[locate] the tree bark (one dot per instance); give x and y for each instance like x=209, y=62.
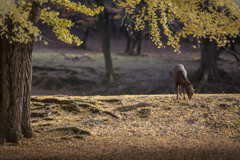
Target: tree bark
x=15, y=84
x=105, y=34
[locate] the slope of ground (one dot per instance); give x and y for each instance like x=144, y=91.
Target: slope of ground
x=159, y=127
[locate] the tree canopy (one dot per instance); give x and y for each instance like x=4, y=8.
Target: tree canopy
x=18, y=12
x=213, y=19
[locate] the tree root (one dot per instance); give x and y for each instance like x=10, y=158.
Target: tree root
x=38, y=108
x=48, y=119
x=96, y=110
x=51, y=100
x=111, y=114
x=37, y=114
x=73, y=129
x=110, y=100
x=91, y=107
x=71, y=107
x=58, y=101
x=44, y=125
x=48, y=107
x=131, y=107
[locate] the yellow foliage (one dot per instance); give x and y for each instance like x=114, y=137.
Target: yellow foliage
x=215, y=20
x=23, y=28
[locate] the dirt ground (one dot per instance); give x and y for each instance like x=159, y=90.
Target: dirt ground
x=149, y=74
x=110, y=128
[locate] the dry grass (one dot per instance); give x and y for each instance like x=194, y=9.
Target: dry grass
x=207, y=127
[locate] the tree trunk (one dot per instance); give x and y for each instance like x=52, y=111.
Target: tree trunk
x=208, y=70
x=105, y=34
x=15, y=84
x=86, y=33
x=132, y=41
x=139, y=42
x=129, y=41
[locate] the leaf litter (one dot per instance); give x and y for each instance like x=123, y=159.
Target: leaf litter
x=206, y=127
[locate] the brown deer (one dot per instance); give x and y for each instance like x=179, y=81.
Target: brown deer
x=181, y=80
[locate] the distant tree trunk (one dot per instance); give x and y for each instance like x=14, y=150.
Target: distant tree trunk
x=139, y=42
x=86, y=33
x=105, y=34
x=208, y=70
x=15, y=84
x=132, y=41
x=129, y=42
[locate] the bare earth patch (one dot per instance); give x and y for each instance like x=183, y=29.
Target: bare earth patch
x=207, y=127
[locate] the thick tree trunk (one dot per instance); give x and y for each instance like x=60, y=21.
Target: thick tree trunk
x=208, y=70
x=15, y=84
x=105, y=34
x=134, y=43
x=15, y=88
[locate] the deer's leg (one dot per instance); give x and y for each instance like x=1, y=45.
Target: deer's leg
x=180, y=90
x=178, y=87
x=183, y=93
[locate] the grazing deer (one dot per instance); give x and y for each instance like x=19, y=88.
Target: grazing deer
x=181, y=80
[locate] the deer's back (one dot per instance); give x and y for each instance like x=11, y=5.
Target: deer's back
x=178, y=70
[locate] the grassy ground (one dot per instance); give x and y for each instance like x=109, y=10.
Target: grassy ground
x=206, y=127
x=76, y=74
x=81, y=74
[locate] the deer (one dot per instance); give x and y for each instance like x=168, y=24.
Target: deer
x=181, y=81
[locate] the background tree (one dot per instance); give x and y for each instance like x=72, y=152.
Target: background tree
x=208, y=70
x=134, y=42
x=105, y=34
x=209, y=21
x=18, y=32
x=104, y=27
x=103, y=24
x=134, y=37
x=82, y=22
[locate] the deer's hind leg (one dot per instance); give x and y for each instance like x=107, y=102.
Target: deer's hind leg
x=183, y=91
x=178, y=90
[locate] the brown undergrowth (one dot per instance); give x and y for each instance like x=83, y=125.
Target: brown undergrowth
x=131, y=127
